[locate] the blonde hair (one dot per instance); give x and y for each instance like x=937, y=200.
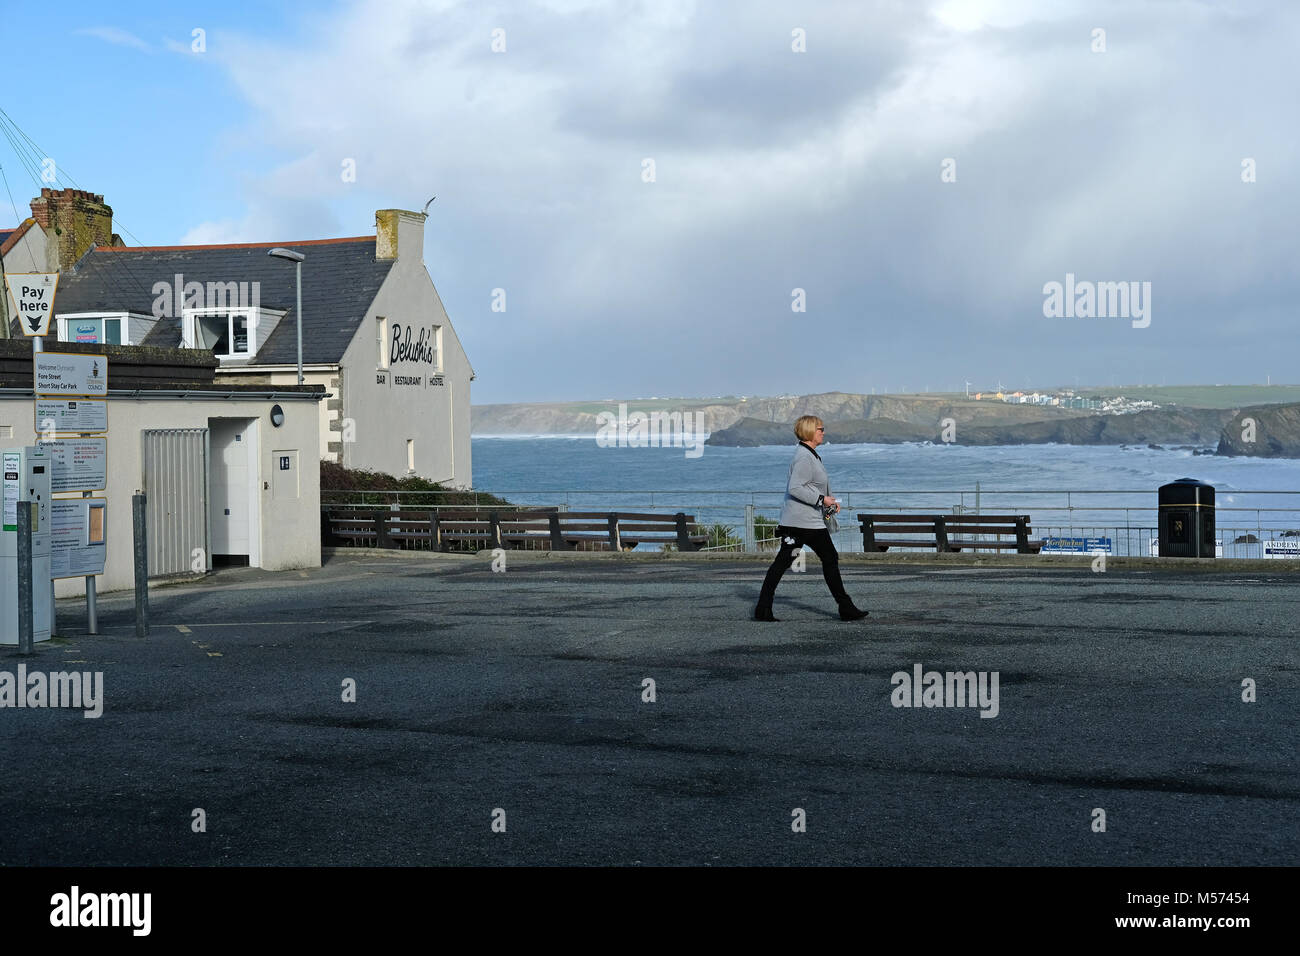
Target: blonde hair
x=806, y=427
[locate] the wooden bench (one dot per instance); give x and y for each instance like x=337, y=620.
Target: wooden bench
x=938, y=528
x=544, y=529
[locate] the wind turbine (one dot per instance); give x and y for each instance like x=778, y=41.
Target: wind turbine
x=968, y=389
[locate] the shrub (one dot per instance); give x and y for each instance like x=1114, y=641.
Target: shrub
x=339, y=485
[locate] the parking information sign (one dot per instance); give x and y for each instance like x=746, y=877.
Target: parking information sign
x=70, y=374
x=78, y=464
x=10, y=463
x=77, y=545
x=71, y=416
x=33, y=300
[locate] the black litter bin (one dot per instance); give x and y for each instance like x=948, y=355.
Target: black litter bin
x=1186, y=518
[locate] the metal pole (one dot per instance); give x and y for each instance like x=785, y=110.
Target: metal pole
x=38, y=345
x=141, y=566
x=750, y=544
x=92, y=612
x=26, y=610
x=299, y=317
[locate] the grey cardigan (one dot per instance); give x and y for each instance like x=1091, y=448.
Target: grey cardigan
x=807, y=485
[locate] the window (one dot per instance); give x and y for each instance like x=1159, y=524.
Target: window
x=101, y=328
x=229, y=334
x=239, y=335
x=381, y=337
x=212, y=332
x=410, y=454
x=437, y=348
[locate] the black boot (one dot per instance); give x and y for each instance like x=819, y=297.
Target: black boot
x=851, y=612
x=762, y=613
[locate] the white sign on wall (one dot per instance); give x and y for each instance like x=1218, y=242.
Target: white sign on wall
x=71, y=416
x=78, y=542
x=1282, y=549
x=32, y=295
x=78, y=464
x=71, y=373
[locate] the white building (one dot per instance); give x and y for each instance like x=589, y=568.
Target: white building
x=375, y=334
x=229, y=471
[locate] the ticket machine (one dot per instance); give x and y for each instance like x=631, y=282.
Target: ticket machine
x=25, y=473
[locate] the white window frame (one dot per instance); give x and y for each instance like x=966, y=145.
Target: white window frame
x=381, y=339
x=123, y=318
x=258, y=318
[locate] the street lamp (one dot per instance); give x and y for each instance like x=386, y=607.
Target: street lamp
x=281, y=253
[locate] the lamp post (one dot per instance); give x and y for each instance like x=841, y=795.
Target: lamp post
x=281, y=253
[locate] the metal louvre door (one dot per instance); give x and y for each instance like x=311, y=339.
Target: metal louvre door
x=176, y=483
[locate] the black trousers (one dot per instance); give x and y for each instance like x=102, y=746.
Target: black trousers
x=819, y=539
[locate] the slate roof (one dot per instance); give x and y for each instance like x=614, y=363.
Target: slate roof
x=340, y=278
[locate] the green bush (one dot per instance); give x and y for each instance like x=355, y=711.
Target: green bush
x=719, y=535
x=339, y=485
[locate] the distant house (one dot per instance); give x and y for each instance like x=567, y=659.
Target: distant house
x=374, y=333
x=22, y=248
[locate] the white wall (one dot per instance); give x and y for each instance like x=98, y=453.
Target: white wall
x=289, y=528
x=386, y=415
x=29, y=255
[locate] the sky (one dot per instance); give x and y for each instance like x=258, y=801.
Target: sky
x=723, y=198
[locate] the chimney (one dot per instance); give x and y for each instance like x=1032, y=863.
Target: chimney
x=399, y=229
x=73, y=220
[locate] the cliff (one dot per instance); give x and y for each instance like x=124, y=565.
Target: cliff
x=1263, y=431
x=1182, y=426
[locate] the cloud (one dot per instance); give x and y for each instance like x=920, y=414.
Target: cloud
x=116, y=36
x=776, y=169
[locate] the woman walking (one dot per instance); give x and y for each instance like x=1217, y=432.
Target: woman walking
x=807, y=508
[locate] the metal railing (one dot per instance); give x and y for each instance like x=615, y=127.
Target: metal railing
x=1126, y=517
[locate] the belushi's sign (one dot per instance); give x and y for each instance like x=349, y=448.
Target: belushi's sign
x=412, y=352
x=407, y=346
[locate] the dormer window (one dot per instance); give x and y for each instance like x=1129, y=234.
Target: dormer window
x=104, y=328
x=230, y=334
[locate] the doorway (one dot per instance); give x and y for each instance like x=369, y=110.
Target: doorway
x=234, y=502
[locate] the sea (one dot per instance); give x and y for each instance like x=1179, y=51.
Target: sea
x=1068, y=490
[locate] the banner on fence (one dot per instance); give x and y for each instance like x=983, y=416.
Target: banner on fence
x=1282, y=549
x=1057, y=545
